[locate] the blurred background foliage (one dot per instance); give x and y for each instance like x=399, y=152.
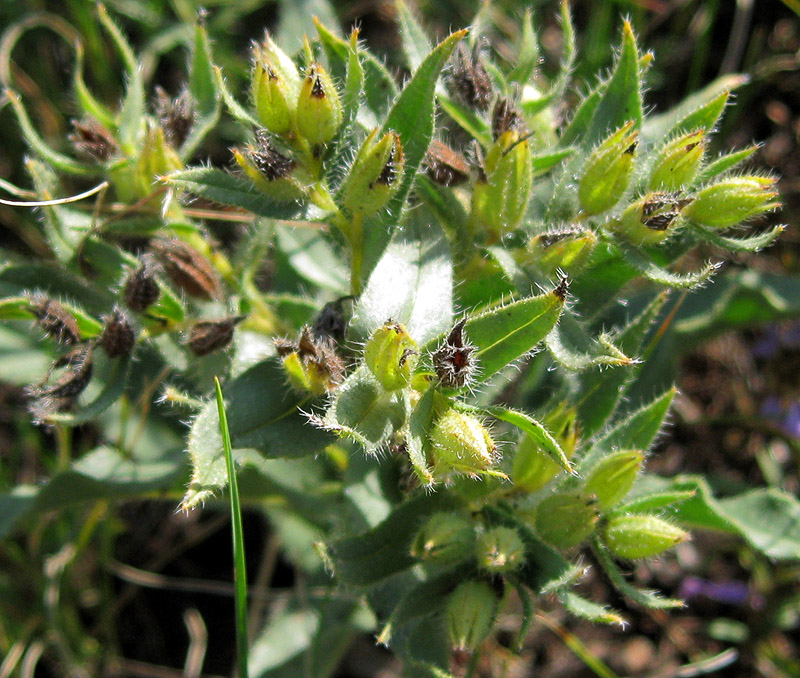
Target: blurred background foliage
x=734, y=351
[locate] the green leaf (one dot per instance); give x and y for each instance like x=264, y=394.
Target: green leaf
x=385, y=549
x=412, y=118
x=414, y=40
x=228, y=189
x=238, y=111
x=417, y=436
x=311, y=255
x=621, y=101
x=287, y=634
x=527, y=53
x=582, y=118
x=412, y=284
x=601, y=391
x=503, y=334
x=572, y=347
x=536, y=431
x=586, y=609
x=722, y=164
x=104, y=473
x=472, y=123
x=203, y=88
x=543, y=163
x=644, y=597
x=131, y=115
x=447, y=208
x=752, y=243
x=88, y=103
x=635, y=432
x=652, y=271
x=263, y=414
x=364, y=412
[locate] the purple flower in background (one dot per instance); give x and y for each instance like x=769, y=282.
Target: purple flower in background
x=729, y=592
x=786, y=418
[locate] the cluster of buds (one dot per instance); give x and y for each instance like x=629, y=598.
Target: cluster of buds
x=290, y=105
x=312, y=365
x=273, y=170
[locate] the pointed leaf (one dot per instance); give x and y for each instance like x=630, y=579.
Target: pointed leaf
x=572, y=347
x=652, y=271
x=586, y=609
x=752, y=243
x=414, y=40
x=722, y=164
x=527, y=52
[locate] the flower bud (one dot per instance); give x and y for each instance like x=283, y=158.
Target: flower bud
x=275, y=86
x=376, y=173
x=471, y=611
x=468, y=79
x=118, y=336
x=312, y=365
x=141, y=289
x=607, y=171
x=391, y=355
x=500, y=549
x=176, y=116
x=499, y=202
x=613, y=477
x=678, y=162
x=567, y=518
x=533, y=468
x=319, y=111
x=445, y=166
x=650, y=220
x=731, y=201
x=453, y=361
x=157, y=158
x=93, y=141
x=55, y=319
x=445, y=538
x=208, y=336
x=460, y=443
x=274, y=173
x=189, y=270
x=567, y=252
x=641, y=536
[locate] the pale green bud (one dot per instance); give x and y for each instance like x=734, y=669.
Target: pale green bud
x=460, y=443
x=500, y=197
x=500, y=549
x=319, y=110
x=650, y=220
x=608, y=171
x=445, y=538
x=533, y=468
x=391, y=355
x=641, y=536
x=273, y=99
x=157, y=158
x=678, y=162
x=376, y=173
x=568, y=252
x=470, y=615
x=567, y=518
x=613, y=477
x=731, y=201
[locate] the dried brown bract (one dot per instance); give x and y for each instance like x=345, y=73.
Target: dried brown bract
x=175, y=115
x=54, y=318
x=445, y=166
x=453, y=360
x=468, y=79
x=92, y=141
x=141, y=289
x=118, y=336
x=208, y=336
x=331, y=321
x=269, y=160
x=505, y=118
x=187, y=268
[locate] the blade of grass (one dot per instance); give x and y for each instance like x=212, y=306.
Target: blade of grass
x=594, y=664
x=239, y=571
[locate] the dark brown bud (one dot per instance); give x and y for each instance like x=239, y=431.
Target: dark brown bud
x=208, y=336
x=331, y=321
x=187, y=268
x=453, y=361
x=469, y=80
x=175, y=115
x=118, y=336
x=269, y=160
x=92, y=141
x=661, y=209
x=505, y=118
x=55, y=319
x=74, y=379
x=445, y=166
x=562, y=288
x=141, y=289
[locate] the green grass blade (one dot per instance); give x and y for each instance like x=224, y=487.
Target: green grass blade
x=239, y=571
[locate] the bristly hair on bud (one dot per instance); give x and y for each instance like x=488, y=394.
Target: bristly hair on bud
x=175, y=115
x=445, y=166
x=93, y=141
x=268, y=159
x=506, y=118
x=187, y=268
x=312, y=364
x=72, y=382
x=54, y=318
x=141, y=289
x=118, y=335
x=208, y=336
x=468, y=79
x=453, y=361
x=562, y=288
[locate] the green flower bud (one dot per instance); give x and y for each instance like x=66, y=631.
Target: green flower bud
x=391, y=355
x=731, y=201
x=460, y=443
x=471, y=611
x=312, y=365
x=677, y=162
x=639, y=536
x=277, y=175
x=157, y=158
x=567, y=252
x=319, y=111
x=500, y=549
x=567, y=518
x=613, y=477
x=650, y=220
x=533, y=468
x=445, y=538
x=273, y=98
x=608, y=171
x=500, y=196
x=376, y=173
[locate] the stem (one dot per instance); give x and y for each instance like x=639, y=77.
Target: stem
x=356, y=238
x=63, y=435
